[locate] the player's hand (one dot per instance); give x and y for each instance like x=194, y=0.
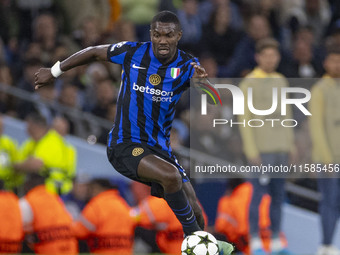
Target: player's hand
x=199, y=71
x=43, y=77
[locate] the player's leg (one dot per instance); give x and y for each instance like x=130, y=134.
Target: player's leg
x=225, y=248
x=152, y=168
x=191, y=195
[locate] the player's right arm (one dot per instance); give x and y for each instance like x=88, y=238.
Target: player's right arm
x=44, y=76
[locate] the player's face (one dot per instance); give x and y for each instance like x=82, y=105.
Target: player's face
x=164, y=38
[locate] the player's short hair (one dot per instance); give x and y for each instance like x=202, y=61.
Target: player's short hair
x=166, y=17
x=265, y=44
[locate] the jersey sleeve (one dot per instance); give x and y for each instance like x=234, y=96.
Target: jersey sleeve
x=191, y=68
x=191, y=71
x=116, y=52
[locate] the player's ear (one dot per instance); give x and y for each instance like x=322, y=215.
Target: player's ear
x=180, y=33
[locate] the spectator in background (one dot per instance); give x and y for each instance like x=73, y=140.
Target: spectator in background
x=243, y=59
x=334, y=7
x=233, y=215
x=266, y=145
x=48, y=154
x=69, y=97
x=156, y=214
x=314, y=13
x=8, y=21
x=61, y=125
x=2, y=51
x=11, y=230
x=219, y=38
x=46, y=220
x=169, y=5
x=45, y=33
x=44, y=102
x=94, y=73
x=105, y=94
x=7, y=102
x=207, y=7
x=206, y=141
x=305, y=56
x=270, y=9
x=8, y=156
x=324, y=128
x=106, y=222
x=191, y=26
x=209, y=62
x=140, y=13
x=27, y=83
x=110, y=116
x=125, y=31
x=27, y=11
x=90, y=8
x=31, y=65
x=89, y=33
x=76, y=200
x=304, y=64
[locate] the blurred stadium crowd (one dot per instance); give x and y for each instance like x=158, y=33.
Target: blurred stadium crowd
x=221, y=33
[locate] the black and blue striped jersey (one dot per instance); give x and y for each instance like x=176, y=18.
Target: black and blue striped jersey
x=148, y=94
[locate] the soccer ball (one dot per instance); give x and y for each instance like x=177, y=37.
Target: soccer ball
x=200, y=243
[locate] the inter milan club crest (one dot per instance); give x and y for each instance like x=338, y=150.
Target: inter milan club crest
x=175, y=72
x=137, y=151
x=155, y=79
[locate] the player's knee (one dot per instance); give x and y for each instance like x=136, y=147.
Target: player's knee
x=172, y=180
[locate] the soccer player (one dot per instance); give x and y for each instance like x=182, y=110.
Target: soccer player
x=154, y=75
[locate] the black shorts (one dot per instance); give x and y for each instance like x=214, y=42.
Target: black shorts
x=125, y=158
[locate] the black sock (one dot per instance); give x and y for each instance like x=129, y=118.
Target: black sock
x=181, y=207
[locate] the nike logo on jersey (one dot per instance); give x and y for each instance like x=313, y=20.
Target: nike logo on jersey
x=137, y=67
